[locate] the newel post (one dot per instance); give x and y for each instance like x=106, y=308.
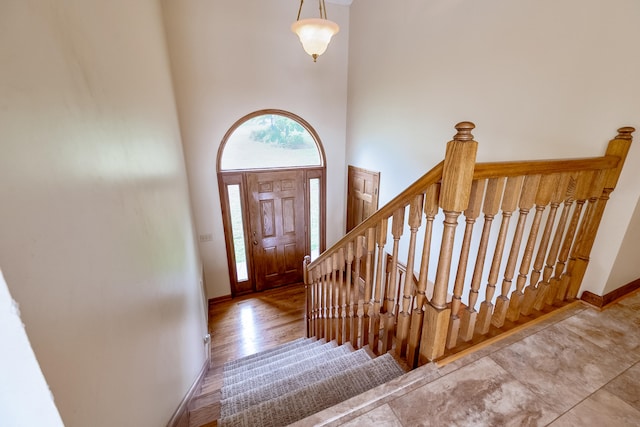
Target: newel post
x=618, y=147
x=307, y=294
x=455, y=190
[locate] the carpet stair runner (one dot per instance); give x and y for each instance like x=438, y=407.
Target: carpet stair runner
x=290, y=382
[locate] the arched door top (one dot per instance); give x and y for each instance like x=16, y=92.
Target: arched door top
x=268, y=139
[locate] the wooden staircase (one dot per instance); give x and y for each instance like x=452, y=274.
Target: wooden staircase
x=485, y=279
x=290, y=382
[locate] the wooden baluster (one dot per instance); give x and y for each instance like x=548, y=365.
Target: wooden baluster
x=385, y=283
x=417, y=315
x=329, y=305
x=317, y=289
x=397, y=227
x=398, y=297
x=341, y=296
x=471, y=214
x=358, y=307
x=535, y=287
x=381, y=240
x=495, y=188
x=525, y=204
x=308, y=300
x=414, y=221
x=547, y=185
x=509, y=203
x=322, y=312
x=619, y=147
x=329, y=310
x=560, y=281
x=583, y=235
x=457, y=177
x=368, y=284
x=348, y=284
x=547, y=292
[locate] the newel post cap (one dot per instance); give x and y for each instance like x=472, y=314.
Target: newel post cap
x=625, y=132
x=464, y=131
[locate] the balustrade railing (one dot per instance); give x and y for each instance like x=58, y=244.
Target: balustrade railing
x=404, y=281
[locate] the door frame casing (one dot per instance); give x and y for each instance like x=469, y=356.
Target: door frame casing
x=226, y=178
x=238, y=176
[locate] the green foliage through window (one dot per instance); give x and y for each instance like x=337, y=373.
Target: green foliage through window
x=280, y=130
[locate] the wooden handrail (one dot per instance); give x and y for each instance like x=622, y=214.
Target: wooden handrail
x=540, y=167
x=401, y=200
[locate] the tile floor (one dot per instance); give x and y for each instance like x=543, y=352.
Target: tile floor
x=579, y=368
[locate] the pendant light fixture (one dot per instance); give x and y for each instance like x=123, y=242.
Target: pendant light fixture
x=315, y=33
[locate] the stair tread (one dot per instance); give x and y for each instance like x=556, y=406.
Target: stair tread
x=273, y=374
x=298, y=404
x=270, y=356
x=288, y=384
x=233, y=364
x=286, y=359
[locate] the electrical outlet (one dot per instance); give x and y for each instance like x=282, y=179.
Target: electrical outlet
x=205, y=237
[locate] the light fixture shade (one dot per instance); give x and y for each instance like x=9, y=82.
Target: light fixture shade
x=315, y=34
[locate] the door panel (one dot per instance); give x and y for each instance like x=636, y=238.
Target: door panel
x=276, y=219
x=362, y=195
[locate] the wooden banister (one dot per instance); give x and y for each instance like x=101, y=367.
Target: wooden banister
x=359, y=293
x=401, y=200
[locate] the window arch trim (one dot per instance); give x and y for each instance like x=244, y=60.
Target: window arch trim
x=287, y=114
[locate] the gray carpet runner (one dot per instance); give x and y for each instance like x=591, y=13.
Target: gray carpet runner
x=300, y=342
x=295, y=380
x=258, y=366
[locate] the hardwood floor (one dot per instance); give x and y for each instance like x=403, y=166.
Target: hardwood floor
x=240, y=327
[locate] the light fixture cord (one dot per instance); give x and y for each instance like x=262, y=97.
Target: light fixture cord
x=299, y=10
x=323, y=9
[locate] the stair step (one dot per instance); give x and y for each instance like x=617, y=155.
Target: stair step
x=297, y=381
x=283, y=371
x=232, y=364
x=286, y=359
x=270, y=356
x=298, y=404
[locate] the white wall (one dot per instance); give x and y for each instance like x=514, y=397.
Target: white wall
x=25, y=398
x=96, y=233
x=625, y=269
x=541, y=79
x=231, y=58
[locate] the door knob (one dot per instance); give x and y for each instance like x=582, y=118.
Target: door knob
x=255, y=242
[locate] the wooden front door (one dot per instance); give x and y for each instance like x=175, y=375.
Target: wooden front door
x=276, y=226
x=362, y=195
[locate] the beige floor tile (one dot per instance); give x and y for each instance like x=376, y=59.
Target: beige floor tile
x=632, y=301
x=608, y=329
x=560, y=367
x=600, y=409
x=480, y=394
x=381, y=416
x=627, y=386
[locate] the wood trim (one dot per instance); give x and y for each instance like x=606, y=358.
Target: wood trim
x=216, y=300
x=294, y=117
x=500, y=169
x=401, y=200
x=601, y=301
x=180, y=417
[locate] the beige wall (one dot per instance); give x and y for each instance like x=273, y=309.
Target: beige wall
x=231, y=58
x=539, y=79
x=625, y=268
x=96, y=236
x=25, y=398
